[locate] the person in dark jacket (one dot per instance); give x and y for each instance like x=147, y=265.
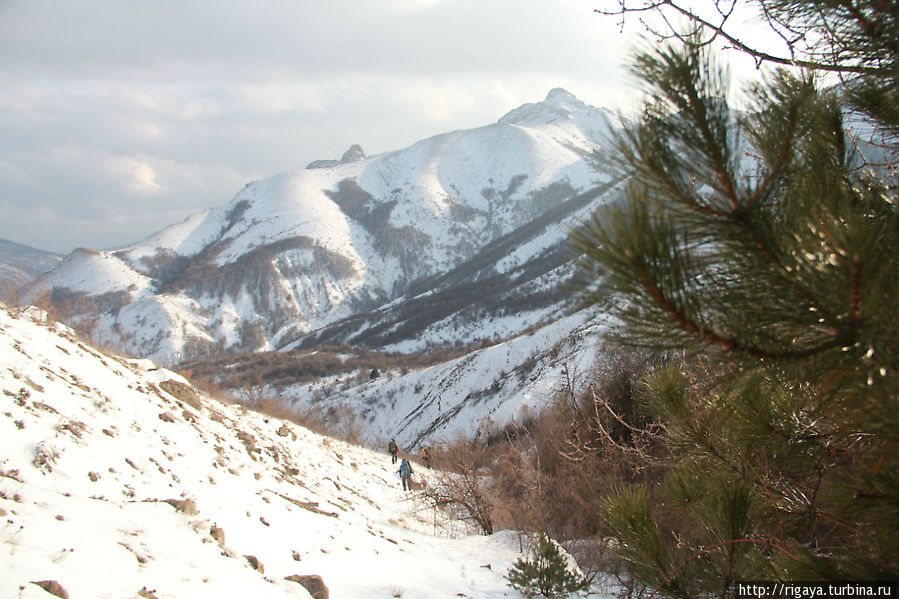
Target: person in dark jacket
x=392, y=450
x=406, y=474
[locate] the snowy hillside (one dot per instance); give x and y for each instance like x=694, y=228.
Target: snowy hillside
x=484, y=389
x=118, y=480
x=303, y=255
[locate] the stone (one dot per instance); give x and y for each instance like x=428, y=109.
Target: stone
x=312, y=583
x=218, y=534
x=255, y=563
x=187, y=506
x=53, y=587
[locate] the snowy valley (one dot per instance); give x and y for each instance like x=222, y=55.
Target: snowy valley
x=119, y=479
x=458, y=243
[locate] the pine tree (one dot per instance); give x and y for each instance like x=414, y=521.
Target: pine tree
x=545, y=573
x=762, y=246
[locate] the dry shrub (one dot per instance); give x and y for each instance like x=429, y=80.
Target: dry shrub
x=278, y=369
x=462, y=486
x=548, y=471
x=337, y=422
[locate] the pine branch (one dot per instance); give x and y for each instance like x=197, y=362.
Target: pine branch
x=718, y=30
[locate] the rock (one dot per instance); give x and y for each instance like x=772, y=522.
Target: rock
x=93, y=476
x=255, y=563
x=284, y=430
x=188, y=506
x=322, y=164
x=249, y=441
x=312, y=583
x=218, y=534
x=353, y=154
x=52, y=587
x=45, y=456
x=147, y=594
x=167, y=417
x=185, y=393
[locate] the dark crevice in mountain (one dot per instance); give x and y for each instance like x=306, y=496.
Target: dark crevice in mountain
x=253, y=269
x=498, y=198
x=166, y=267
x=78, y=307
x=404, y=243
x=234, y=215
x=493, y=252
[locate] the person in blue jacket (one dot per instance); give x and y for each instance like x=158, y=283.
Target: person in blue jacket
x=406, y=474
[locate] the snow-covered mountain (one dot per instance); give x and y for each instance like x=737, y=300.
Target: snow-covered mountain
x=406, y=250
x=21, y=264
x=120, y=479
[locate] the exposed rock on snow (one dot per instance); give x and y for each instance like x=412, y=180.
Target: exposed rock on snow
x=312, y=583
x=351, y=155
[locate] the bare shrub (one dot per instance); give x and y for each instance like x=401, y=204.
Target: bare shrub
x=462, y=486
x=549, y=469
x=279, y=369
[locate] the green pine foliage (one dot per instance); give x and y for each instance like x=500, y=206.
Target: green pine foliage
x=545, y=573
x=760, y=246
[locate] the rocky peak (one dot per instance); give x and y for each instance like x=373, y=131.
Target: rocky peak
x=353, y=154
x=559, y=104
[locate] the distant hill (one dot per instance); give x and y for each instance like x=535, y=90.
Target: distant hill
x=21, y=264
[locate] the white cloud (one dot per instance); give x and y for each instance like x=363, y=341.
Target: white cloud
x=434, y=100
x=105, y=104
x=412, y=5
x=276, y=97
x=132, y=173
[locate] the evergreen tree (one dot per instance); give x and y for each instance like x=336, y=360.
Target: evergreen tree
x=546, y=573
x=761, y=246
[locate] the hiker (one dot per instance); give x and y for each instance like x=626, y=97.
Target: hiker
x=426, y=457
x=392, y=449
x=406, y=474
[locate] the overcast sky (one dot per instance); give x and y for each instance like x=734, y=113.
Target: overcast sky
x=120, y=117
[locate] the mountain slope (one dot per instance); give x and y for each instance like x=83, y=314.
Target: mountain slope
x=480, y=391
x=301, y=251
x=117, y=479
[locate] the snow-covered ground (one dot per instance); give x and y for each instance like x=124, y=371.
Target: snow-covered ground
x=117, y=480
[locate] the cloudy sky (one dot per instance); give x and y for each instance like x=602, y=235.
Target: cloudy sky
x=119, y=117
